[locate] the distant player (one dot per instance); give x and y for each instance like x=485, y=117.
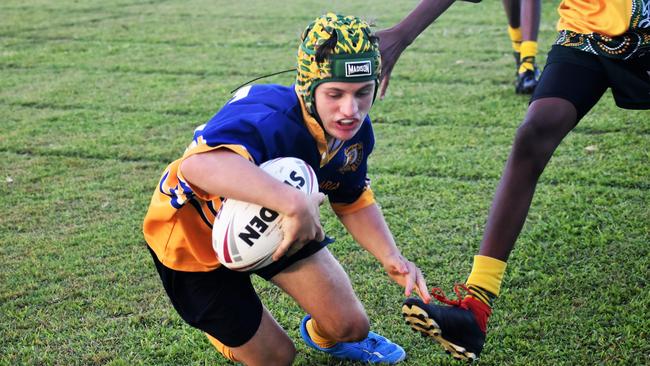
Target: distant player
x=523, y=27
x=601, y=44
x=323, y=120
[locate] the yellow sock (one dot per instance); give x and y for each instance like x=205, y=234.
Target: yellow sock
x=515, y=38
x=315, y=335
x=527, y=56
x=485, y=279
x=222, y=348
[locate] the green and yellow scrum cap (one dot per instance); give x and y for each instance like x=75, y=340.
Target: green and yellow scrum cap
x=353, y=58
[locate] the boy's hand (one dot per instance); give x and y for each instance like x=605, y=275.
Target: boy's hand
x=407, y=275
x=302, y=225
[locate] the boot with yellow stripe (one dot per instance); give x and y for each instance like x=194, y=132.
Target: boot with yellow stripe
x=459, y=326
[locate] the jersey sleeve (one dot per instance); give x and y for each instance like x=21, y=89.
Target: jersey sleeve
x=366, y=199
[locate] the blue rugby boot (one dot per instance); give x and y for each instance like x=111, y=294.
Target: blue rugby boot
x=373, y=349
x=459, y=328
x=527, y=81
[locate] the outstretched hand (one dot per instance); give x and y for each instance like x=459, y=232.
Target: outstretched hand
x=407, y=275
x=391, y=46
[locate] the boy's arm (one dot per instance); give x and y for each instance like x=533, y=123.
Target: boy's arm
x=368, y=228
x=224, y=173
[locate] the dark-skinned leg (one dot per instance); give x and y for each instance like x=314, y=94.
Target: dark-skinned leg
x=566, y=92
x=547, y=122
x=512, y=8
x=461, y=329
x=530, y=17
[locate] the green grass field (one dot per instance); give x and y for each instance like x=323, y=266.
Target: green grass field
x=97, y=97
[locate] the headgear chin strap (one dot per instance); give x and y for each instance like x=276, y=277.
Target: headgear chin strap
x=354, y=57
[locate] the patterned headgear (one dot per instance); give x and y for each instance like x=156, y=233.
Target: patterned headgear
x=354, y=58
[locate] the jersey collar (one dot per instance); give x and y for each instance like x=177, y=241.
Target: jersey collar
x=327, y=145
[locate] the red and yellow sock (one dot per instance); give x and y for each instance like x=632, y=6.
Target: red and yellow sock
x=485, y=279
x=527, y=56
x=222, y=348
x=515, y=38
x=317, y=336
x=484, y=283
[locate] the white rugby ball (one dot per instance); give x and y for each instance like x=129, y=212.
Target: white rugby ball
x=245, y=235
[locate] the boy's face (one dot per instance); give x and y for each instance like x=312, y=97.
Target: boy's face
x=342, y=107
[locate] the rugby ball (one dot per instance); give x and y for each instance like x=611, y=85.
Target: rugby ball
x=245, y=235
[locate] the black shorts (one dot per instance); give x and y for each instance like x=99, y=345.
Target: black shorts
x=222, y=302
x=582, y=78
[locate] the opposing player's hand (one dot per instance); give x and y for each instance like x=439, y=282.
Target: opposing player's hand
x=301, y=225
x=391, y=46
x=407, y=275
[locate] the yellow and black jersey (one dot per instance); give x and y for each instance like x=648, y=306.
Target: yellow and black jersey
x=260, y=123
x=612, y=28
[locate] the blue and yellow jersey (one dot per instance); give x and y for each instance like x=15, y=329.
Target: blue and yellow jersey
x=612, y=28
x=260, y=123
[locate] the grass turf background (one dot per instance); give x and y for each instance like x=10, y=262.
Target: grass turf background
x=97, y=97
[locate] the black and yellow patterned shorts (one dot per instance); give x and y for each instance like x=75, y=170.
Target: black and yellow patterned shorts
x=582, y=78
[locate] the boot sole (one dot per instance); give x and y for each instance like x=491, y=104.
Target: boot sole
x=419, y=321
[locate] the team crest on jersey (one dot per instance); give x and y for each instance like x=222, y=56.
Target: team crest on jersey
x=353, y=157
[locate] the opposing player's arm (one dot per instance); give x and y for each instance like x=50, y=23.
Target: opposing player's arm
x=224, y=173
x=394, y=40
x=368, y=228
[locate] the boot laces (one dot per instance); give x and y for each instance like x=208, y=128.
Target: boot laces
x=439, y=294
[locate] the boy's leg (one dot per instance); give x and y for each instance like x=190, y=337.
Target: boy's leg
x=322, y=288
x=223, y=304
x=269, y=346
x=337, y=322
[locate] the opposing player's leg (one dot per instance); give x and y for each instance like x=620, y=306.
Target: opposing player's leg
x=336, y=322
x=461, y=327
x=547, y=122
x=567, y=91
